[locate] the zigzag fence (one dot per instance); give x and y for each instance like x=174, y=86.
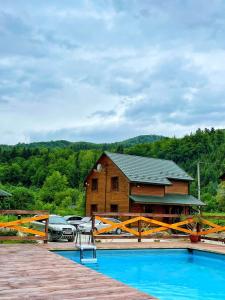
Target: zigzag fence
x=23, y=232
x=148, y=225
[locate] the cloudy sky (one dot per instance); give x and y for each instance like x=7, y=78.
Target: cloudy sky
x=109, y=70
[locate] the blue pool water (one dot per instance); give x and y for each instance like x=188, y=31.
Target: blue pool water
x=166, y=274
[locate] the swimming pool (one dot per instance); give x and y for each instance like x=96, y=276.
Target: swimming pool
x=166, y=274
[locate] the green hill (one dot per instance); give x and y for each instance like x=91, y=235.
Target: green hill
x=49, y=175
x=82, y=145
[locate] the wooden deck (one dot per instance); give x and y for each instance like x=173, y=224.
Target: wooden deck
x=33, y=272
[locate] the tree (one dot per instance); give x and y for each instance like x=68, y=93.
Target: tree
x=220, y=197
x=53, y=184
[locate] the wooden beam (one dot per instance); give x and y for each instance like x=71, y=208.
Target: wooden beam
x=22, y=212
x=21, y=238
x=140, y=215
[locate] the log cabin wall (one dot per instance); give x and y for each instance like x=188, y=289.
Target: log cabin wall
x=177, y=187
x=147, y=190
x=104, y=197
x=140, y=208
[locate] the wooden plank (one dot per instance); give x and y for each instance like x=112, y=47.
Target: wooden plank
x=172, y=226
x=22, y=238
x=140, y=214
x=22, y=212
x=23, y=221
x=121, y=236
x=28, y=230
x=114, y=225
x=213, y=217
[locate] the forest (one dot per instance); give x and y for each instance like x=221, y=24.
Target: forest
x=50, y=175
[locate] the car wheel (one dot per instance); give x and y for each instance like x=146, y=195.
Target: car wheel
x=50, y=238
x=71, y=239
x=118, y=231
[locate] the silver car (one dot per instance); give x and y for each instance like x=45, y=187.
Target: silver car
x=58, y=228
x=73, y=220
x=86, y=227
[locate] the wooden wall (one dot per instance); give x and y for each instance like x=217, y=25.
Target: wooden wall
x=147, y=190
x=140, y=208
x=104, y=193
x=177, y=187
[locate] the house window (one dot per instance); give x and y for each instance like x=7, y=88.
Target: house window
x=114, y=208
x=94, y=184
x=115, y=183
x=94, y=208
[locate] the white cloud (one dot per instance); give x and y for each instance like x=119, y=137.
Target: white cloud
x=108, y=70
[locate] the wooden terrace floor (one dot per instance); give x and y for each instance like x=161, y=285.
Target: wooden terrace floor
x=33, y=272
x=30, y=271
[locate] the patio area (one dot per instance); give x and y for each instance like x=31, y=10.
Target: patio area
x=31, y=271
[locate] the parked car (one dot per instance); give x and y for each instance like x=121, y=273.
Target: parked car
x=58, y=228
x=87, y=226
x=73, y=220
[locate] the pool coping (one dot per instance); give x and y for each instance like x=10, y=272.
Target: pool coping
x=212, y=248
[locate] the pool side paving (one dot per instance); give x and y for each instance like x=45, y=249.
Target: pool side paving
x=30, y=271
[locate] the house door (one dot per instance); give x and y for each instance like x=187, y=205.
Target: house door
x=148, y=209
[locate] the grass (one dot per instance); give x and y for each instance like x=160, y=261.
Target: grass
x=222, y=214
x=216, y=221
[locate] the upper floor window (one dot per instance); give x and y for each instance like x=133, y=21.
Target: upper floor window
x=94, y=184
x=115, y=183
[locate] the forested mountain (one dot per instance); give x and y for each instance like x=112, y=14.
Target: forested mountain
x=50, y=175
x=87, y=145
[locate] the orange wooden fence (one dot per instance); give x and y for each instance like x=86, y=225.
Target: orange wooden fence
x=17, y=225
x=198, y=225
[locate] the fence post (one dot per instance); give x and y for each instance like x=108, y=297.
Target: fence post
x=46, y=232
x=139, y=231
x=93, y=223
x=198, y=229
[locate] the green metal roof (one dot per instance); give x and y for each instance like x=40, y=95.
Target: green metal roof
x=172, y=199
x=148, y=170
x=4, y=194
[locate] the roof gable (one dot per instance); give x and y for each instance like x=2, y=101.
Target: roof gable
x=148, y=170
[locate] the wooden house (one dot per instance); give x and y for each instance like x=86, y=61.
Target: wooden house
x=129, y=183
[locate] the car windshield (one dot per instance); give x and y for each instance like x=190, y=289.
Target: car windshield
x=57, y=220
x=86, y=219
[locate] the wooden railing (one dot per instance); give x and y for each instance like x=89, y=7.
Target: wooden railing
x=17, y=225
x=187, y=224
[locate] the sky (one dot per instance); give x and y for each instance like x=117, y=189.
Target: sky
x=104, y=71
